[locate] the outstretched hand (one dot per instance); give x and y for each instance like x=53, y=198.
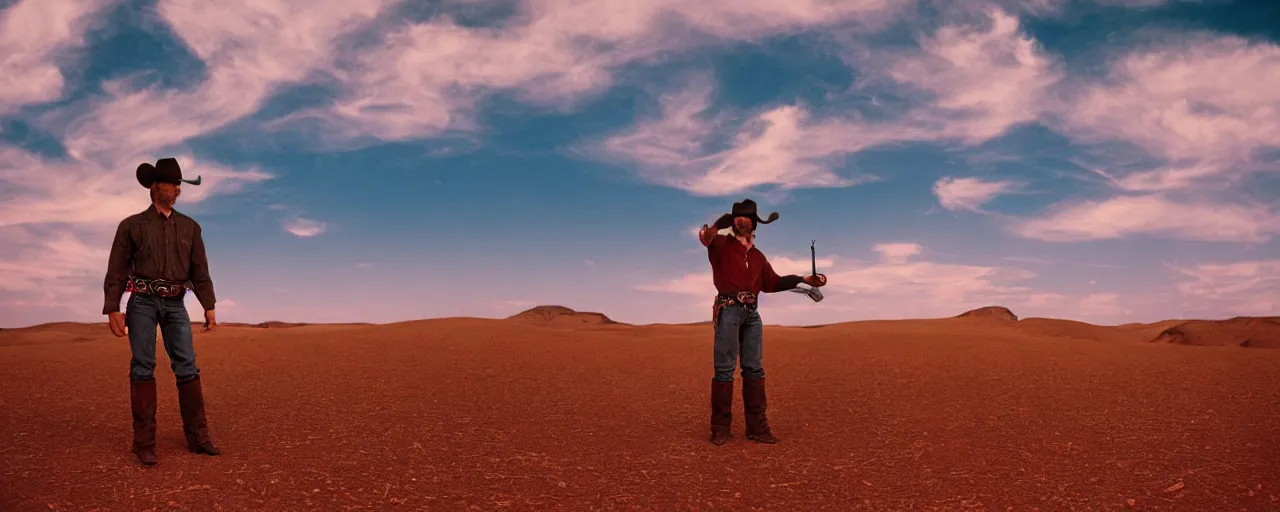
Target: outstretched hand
x=816, y=280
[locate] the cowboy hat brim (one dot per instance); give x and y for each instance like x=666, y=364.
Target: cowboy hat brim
x=747, y=208
x=148, y=175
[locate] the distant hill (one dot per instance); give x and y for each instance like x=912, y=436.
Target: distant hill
x=560, y=316
x=1249, y=332
x=993, y=312
x=1246, y=332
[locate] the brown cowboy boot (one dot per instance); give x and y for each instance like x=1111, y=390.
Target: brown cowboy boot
x=754, y=405
x=142, y=400
x=721, y=411
x=194, y=425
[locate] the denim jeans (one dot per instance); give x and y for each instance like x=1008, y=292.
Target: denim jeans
x=142, y=314
x=739, y=335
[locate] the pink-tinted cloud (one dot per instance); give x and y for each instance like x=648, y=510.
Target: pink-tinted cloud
x=890, y=288
x=100, y=196
x=1241, y=288
x=783, y=147
x=427, y=77
x=1151, y=215
x=251, y=48
x=1204, y=107
x=897, y=253
x=304, y=227
x=974, y=84
x=36, y=37
x=981, y=79
x=700, y=283
x=902, y=284
x=969, y=194
x=1199, y=102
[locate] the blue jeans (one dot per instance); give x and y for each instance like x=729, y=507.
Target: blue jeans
x=142, y=314
x=739, y=335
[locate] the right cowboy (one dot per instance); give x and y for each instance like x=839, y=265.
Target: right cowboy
x=741, y=272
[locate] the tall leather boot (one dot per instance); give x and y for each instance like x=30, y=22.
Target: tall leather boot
x=721, y=411
x=194, y=425
x=142, y=401
x=754, y=405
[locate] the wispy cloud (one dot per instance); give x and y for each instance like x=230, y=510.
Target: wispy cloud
x=552, y=53
x=782, y=147
x=894, y=286
x=1200, y=112
x=974, y=84
x=700, y=283
x=1243, y=287
x=1152, y=215
x=897, y=253
x=36, y=36
x=1190, y=100
x=304, y=227
x=249, y=48
x=981, y=79
x=969, y=194
x=101, y=196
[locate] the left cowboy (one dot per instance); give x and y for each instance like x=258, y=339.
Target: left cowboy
x=157, y=256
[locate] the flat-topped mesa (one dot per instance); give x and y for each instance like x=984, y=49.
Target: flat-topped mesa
x=993, y=312
x=1243, y=331
x=560, y=315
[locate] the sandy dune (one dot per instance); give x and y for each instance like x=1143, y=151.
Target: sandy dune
x=558, y=410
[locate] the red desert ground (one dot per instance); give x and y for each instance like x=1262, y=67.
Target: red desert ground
x=553, y=409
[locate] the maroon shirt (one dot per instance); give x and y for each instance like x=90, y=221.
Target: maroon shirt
x=736, y=269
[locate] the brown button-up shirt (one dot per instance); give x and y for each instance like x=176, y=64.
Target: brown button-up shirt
x=151, y=246
x=734, y=268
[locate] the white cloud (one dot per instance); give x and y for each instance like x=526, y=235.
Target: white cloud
x=1151, y=215
x=981, y=80
x=782, y=146
x=95, y=198
x=1203, y=104
x=892, y=288
x=1240, y=288
x=428, y=77
x=897, y=253
x=57, y=232
x=250, y=49
x=1201, y=113
x=58, y=260
x=974, y=84
x=969, y=194
x=700, y=283
x=305, y=228
x=36, y=36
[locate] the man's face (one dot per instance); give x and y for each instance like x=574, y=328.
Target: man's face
x=166, y=194
x=742, y=225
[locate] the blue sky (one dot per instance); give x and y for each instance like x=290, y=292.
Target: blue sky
x=376, y=160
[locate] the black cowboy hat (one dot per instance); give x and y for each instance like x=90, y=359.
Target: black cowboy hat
x=166, y=170
x=745, y=208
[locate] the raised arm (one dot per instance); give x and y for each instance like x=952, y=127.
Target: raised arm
x=774, y=283
x=708, y=233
